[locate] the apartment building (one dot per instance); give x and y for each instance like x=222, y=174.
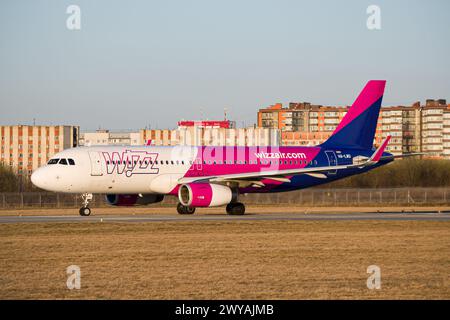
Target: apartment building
x=301, y=116
x=272, y=117
x=104, y=137
x=432, y=128
x=446, y=133
x=302, y=138
x=403, y=125
x=417, y=128
x=25, y=148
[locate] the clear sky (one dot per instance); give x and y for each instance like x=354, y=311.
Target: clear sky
x=151, y=63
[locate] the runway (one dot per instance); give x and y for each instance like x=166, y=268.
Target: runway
x=394, y=216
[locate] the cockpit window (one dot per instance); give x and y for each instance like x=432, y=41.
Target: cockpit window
x=53, y=161
x=71, y=162
x=63, y=161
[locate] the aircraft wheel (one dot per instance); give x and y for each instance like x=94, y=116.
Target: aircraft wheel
x=85, y=211
x=190, y=210
x=185, y=210
x=236, y=208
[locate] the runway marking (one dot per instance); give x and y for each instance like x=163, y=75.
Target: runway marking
x=419, y=216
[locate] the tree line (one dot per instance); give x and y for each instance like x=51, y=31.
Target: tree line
x=408, y=172
x=9, y=181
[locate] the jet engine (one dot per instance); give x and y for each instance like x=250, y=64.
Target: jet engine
x=133, y=199
x=205, y=195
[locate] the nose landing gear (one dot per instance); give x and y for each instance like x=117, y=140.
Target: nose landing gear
x=85, y=210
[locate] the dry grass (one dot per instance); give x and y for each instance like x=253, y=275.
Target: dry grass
x=226, y=260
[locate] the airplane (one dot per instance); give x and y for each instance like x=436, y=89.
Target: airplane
x=204, y=176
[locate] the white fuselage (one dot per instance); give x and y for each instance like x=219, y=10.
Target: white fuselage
x=116, y=169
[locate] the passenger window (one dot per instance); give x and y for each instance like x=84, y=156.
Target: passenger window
x=53, y=161
x=71, y=162
x=63, y=161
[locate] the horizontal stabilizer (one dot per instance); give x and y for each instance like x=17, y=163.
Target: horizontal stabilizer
x=379, y=152
x=405, y=155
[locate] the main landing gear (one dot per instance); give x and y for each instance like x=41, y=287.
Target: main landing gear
x=185, y=209
x=85, y=210
x=235, y=208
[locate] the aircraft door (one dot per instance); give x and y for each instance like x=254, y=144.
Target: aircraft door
x=96, y=164
x=332, y=160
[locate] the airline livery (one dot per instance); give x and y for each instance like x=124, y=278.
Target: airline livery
x=202, y=176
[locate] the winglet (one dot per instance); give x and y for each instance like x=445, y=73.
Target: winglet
x=379, y=152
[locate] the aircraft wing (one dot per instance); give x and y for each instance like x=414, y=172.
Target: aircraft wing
x=275, y=174
x=280, y=175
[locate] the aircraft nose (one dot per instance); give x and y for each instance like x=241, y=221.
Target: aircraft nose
x=38, y=178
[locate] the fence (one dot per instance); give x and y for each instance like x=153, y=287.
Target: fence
x=307, y=197
x=356, y=197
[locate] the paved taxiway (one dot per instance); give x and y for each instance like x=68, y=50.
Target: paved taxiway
x=436, y=216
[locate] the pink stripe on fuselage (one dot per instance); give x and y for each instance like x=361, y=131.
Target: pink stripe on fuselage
x=369, y=95
x=217, y=161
